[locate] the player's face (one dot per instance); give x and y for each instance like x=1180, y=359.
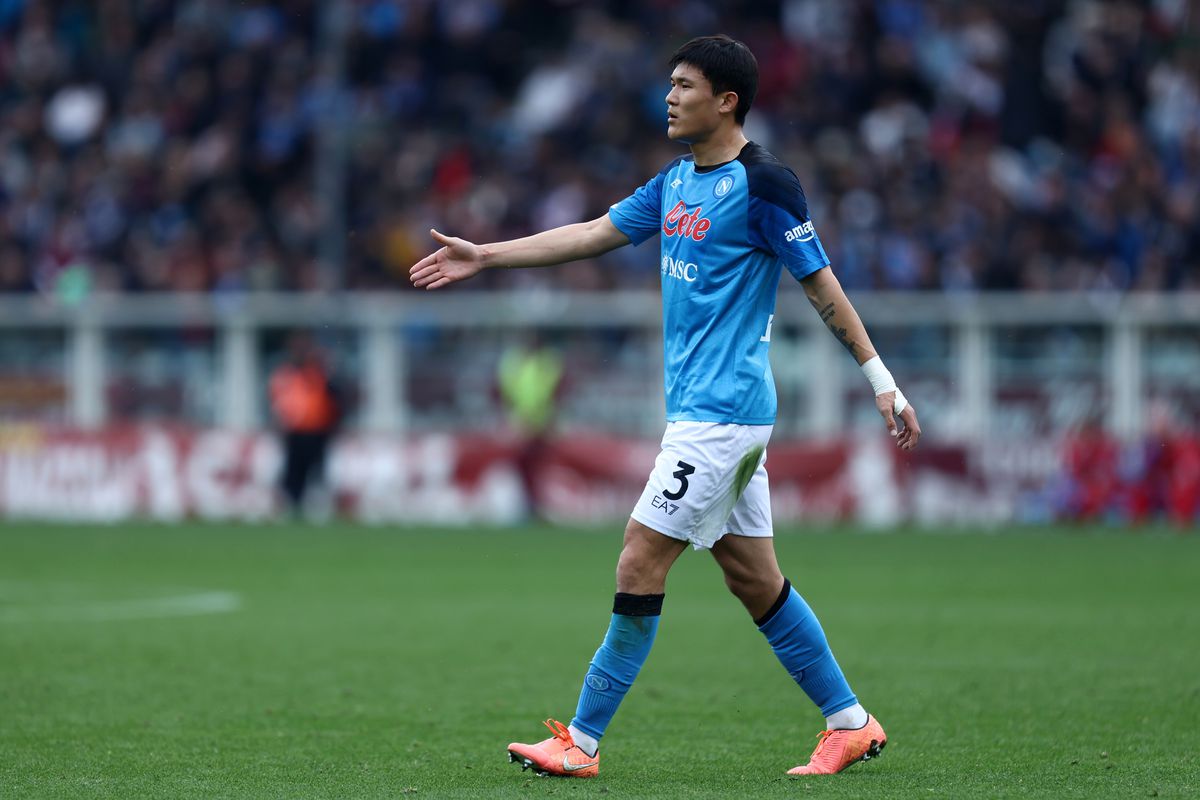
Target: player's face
x=693, y=113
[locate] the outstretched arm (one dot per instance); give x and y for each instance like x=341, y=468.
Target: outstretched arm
x=459, y=259
x=830, y=301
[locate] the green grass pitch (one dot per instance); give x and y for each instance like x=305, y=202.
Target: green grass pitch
x=284, y=661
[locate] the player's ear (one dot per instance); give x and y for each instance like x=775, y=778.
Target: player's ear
x=729, y=102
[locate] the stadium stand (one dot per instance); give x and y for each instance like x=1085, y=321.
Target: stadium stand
x=957, y=146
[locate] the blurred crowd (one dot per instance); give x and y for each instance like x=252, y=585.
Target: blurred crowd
x=212, y=145
x=1154, y=479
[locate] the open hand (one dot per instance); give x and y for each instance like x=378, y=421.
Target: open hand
x=906, y=437
x=457, y=260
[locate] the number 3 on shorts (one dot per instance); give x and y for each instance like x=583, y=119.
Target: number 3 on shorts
x=680, y=474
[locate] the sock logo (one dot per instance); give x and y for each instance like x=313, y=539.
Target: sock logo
x=597, y=682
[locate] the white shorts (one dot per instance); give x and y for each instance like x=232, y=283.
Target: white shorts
x=710, y=479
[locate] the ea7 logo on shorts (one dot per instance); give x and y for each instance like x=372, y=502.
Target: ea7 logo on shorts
x=666, y=506
x=801, y=233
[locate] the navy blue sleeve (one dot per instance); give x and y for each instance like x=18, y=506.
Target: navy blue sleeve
x=778, y=219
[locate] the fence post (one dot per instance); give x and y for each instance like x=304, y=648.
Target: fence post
x=1125, y=377
x=239, y=375
x=86, y=376
x=825, y=384
x=975, y=376
x=386, y=408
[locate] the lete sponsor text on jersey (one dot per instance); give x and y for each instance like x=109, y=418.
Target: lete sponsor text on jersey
x=680, y=221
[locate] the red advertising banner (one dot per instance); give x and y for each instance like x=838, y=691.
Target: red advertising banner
x=170, y=473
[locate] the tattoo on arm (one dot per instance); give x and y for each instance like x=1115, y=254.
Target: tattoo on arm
x=840, y=333
x=827, y=314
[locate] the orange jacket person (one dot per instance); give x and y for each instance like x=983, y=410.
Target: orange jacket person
x=306, y=409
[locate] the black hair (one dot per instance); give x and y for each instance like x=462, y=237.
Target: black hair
x=727, y=63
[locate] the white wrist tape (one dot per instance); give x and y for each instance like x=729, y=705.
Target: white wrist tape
x=882, y=381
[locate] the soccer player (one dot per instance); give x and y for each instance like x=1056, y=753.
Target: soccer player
x=731, y=216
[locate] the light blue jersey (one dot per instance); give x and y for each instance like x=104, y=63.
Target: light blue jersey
x=726, y=233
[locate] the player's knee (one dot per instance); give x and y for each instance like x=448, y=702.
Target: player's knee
x=749, y=587
x=639, y=571
x=736, y=584
x=646, y=558
x=637, y=574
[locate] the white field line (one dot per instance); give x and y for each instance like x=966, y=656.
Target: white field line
x=181, y=605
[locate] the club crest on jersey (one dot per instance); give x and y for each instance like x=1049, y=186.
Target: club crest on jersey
x=723, y=186
x=687, y=224
x=801, y=233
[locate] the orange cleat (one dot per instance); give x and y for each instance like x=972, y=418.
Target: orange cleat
x=838, y=749
x=558, y=755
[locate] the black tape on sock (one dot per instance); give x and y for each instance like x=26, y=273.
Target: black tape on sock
x=638, y=605
x=778, y=604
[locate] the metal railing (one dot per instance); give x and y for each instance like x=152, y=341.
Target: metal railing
x=960, y=349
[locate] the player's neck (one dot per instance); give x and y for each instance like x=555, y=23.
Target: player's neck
x=719, y=148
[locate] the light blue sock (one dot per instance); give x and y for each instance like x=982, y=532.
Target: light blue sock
x=799, y=643
x=618, y=661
